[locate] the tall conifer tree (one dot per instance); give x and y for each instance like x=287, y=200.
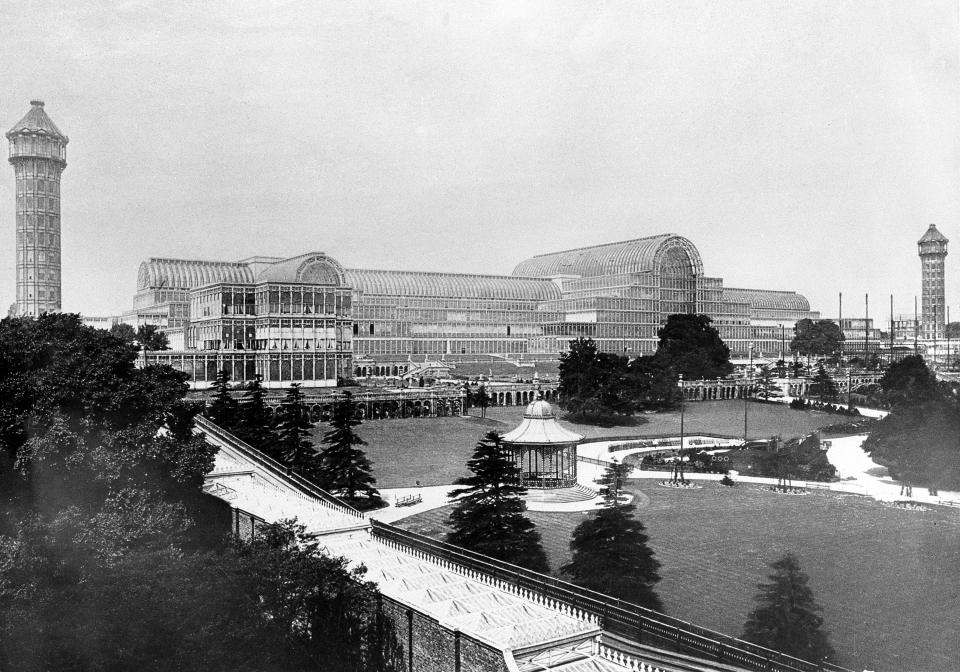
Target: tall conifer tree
x=293, y=433
x=489, y=515
x=786, y=618
x=255, y=425
x=344, y=468
x=610, y=552
x=223, y=409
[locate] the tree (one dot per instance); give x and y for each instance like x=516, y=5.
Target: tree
x=78, y=419
x=482, y=400
x=344, y=468
x=254, y=423
x=652, y=382
x=274, y=602
x=693, y=348
x=151, y=338
x=489, y=516
x=592, y=383
x=919, y=442
x=294, y=445
x=766, y=384
x=610, y=552
x=223, y=409
x=817, y=339
x=822, y=385
x=124, y=332
x=952, y=330
x=105, y=551
x=908, y=381
x=786, y=618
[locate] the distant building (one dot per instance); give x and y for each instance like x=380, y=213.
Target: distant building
x=933, y=252
x=38, y=152
x=288, y=322
x=619, y=294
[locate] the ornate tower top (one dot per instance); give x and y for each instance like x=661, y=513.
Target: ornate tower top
x=932, y=242
x=37, y=136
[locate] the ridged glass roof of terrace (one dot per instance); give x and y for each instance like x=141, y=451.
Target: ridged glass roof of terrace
x=450, y=285
x=157, y=273
x=760, y=299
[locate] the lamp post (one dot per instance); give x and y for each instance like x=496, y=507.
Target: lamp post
x=746, y=393
x=682, y=400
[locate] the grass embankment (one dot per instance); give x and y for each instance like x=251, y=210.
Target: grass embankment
x=887, y=579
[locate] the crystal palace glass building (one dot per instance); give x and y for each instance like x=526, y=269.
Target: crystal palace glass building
x=303, y=319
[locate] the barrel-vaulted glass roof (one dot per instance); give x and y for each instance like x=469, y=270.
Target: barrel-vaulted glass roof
x=157, y=273
x=311, y=268
x=768, y=299
x=653, y=254
x=452, y=285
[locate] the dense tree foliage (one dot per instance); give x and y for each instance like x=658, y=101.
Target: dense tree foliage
x=909, y=381
x=149, y=337
x=610, y=552
x=223, y=408
x=294, y=435
x=344, y=468
x=254, y=424
x=271, y=603
x=489, y=516
x=652, y=384
x=785, y=619
x=822, y=385
x=112, y=558
x=124, y=332
x=598, y=386
x=919, y=441
x=820, y=338
x=693, y=348
x=78, y=423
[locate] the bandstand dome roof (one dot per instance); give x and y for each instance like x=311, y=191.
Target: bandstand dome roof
x=540, y=426
x=653, y=254
x=452, y=285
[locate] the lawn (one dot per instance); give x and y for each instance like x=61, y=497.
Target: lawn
x=434, y=451
x=888, y=579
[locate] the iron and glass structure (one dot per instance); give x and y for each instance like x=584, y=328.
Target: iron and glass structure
x=38, y=152
x=619, y=294
x=290, y=322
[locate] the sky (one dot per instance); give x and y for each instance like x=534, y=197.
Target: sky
x=801, y=146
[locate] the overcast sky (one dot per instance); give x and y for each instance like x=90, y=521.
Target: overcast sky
x=799, y=145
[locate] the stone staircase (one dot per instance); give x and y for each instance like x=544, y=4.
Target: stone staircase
x=577, y=493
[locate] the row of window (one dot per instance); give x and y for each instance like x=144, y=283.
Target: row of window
x=30, y=203
x=27, y=168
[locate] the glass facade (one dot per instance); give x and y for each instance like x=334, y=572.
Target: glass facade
x=304, y=320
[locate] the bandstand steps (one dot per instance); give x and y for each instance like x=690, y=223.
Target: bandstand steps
x=577, y=493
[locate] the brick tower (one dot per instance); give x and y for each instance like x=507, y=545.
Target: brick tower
x=933, y=251
x=38, y=152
